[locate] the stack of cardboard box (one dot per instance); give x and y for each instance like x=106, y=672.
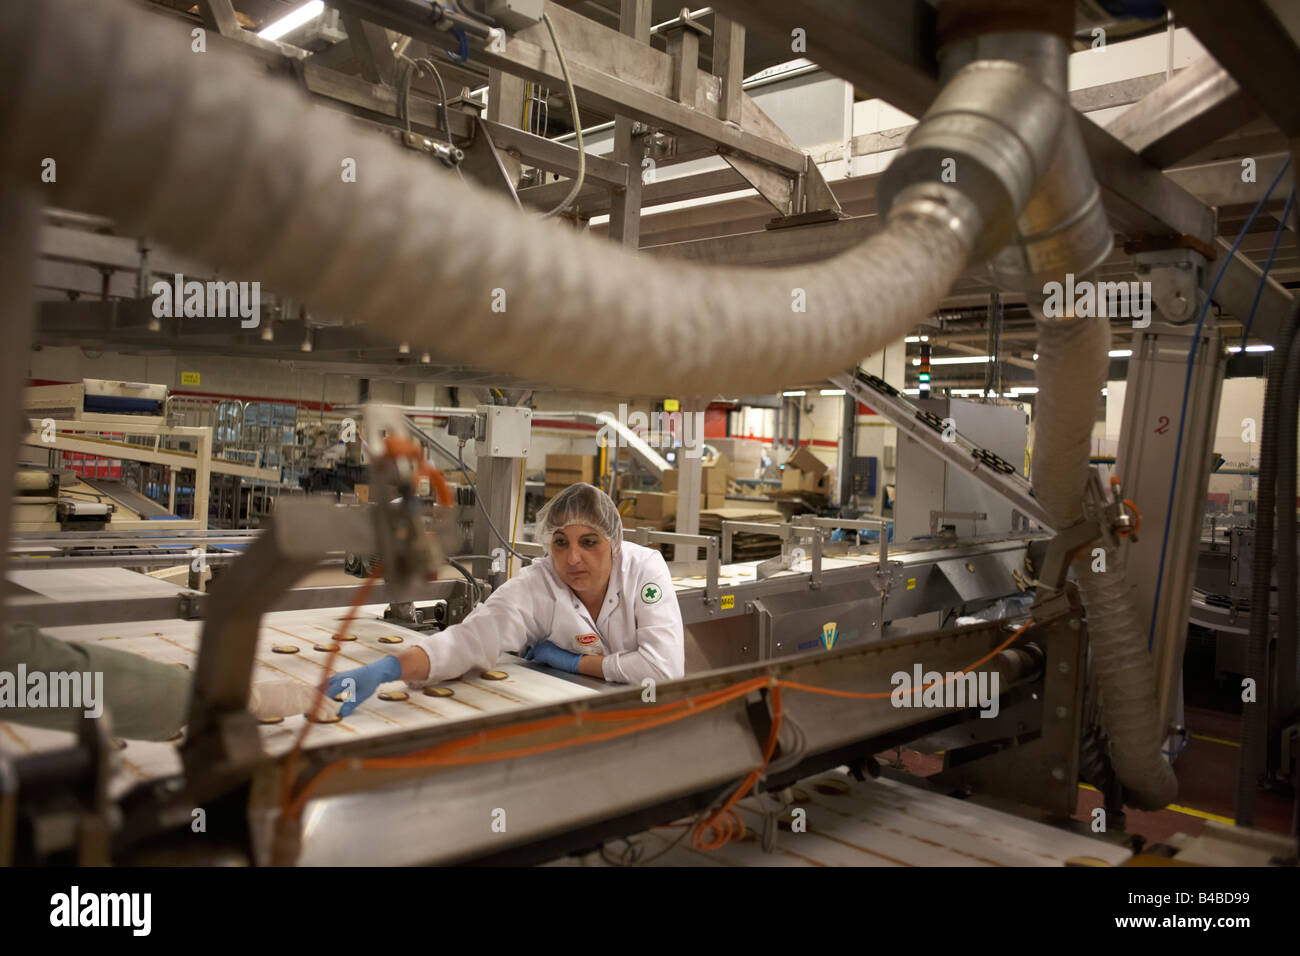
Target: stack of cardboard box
x=713, y=482
x=658, y=509
x=652, y=509
x=805, y=472
x=565, y=470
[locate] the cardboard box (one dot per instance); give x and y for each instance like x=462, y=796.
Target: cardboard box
x=745, y=455
x=714, y=501
x=654, y=524
x=713, y=478
x=805, y=460
x=804, y=471
x=655, y=505
x=565, y=470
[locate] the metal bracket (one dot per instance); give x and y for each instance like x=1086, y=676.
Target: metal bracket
x=937, y=516
x=1176, y=277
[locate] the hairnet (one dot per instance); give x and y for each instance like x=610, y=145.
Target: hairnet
x=581, y=504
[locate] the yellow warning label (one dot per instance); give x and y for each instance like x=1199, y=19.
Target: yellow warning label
x=189, y=378
x=911, y=584
x=728, y=601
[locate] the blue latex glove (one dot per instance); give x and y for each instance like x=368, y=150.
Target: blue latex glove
x=552, y=656
x=363, y=681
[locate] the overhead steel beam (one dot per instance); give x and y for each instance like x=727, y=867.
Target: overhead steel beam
x=888, y=50
x=379, y=100
x=1220, y=183
x=1256, y=47
x=1140, y=199
x=1237, y=289
x=615, y=75
x=885, y=49
x=370, y=48
x=1196, y=107
x=219, y=15
x=629, y=148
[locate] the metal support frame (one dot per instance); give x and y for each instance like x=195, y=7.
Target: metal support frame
x=1037, y=762
x=19, y=211
x=200, y=460
x=1163, y=561
x=354, y=808
x=889, y=403
x=629, y=144
x=222, y=745
x=497, y=480
x=1258, y=48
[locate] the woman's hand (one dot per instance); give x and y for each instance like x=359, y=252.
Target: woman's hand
x=360, y=682
x=553, y=656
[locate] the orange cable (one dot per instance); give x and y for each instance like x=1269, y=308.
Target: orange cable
x=723, y=823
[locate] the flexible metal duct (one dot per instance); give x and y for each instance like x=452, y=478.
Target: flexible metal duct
x=241, y=171
x=1071, y=368
x=1063, y=229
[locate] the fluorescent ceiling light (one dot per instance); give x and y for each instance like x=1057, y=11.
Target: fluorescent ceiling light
x=911, y=391
x=1250, y=348
x=957, y=360
x=794, y=394
x=293, y=20
x=1120, y=353
x=831, y=391
x=1025, y=390
x=917, y=338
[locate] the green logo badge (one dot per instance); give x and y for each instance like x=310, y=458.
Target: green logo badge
x=651, y=593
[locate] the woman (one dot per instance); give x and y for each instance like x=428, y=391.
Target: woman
x=594, y=605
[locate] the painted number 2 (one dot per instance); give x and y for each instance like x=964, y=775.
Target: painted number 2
x=1164, y=425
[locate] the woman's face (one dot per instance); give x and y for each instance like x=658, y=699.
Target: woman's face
x=583, y=558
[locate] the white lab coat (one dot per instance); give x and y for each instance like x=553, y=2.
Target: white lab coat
x=639, y=630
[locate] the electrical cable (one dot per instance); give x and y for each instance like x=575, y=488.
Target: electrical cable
x=514, y=522
x=476, y=596
x=1268, y=265
x=472, y=14
x=404, y=94
x=631, y=855
x=1187, y=386
x=721, y=826
x=479, y=500
x=1254, y=721
x=577, y=124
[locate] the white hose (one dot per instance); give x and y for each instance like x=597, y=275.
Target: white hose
x=244, y=173
x=1071, y=370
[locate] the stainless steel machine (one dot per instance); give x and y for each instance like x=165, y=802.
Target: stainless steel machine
x=793, y=664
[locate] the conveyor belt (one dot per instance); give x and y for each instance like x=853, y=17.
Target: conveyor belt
x=176, y=642
x=882, y=823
